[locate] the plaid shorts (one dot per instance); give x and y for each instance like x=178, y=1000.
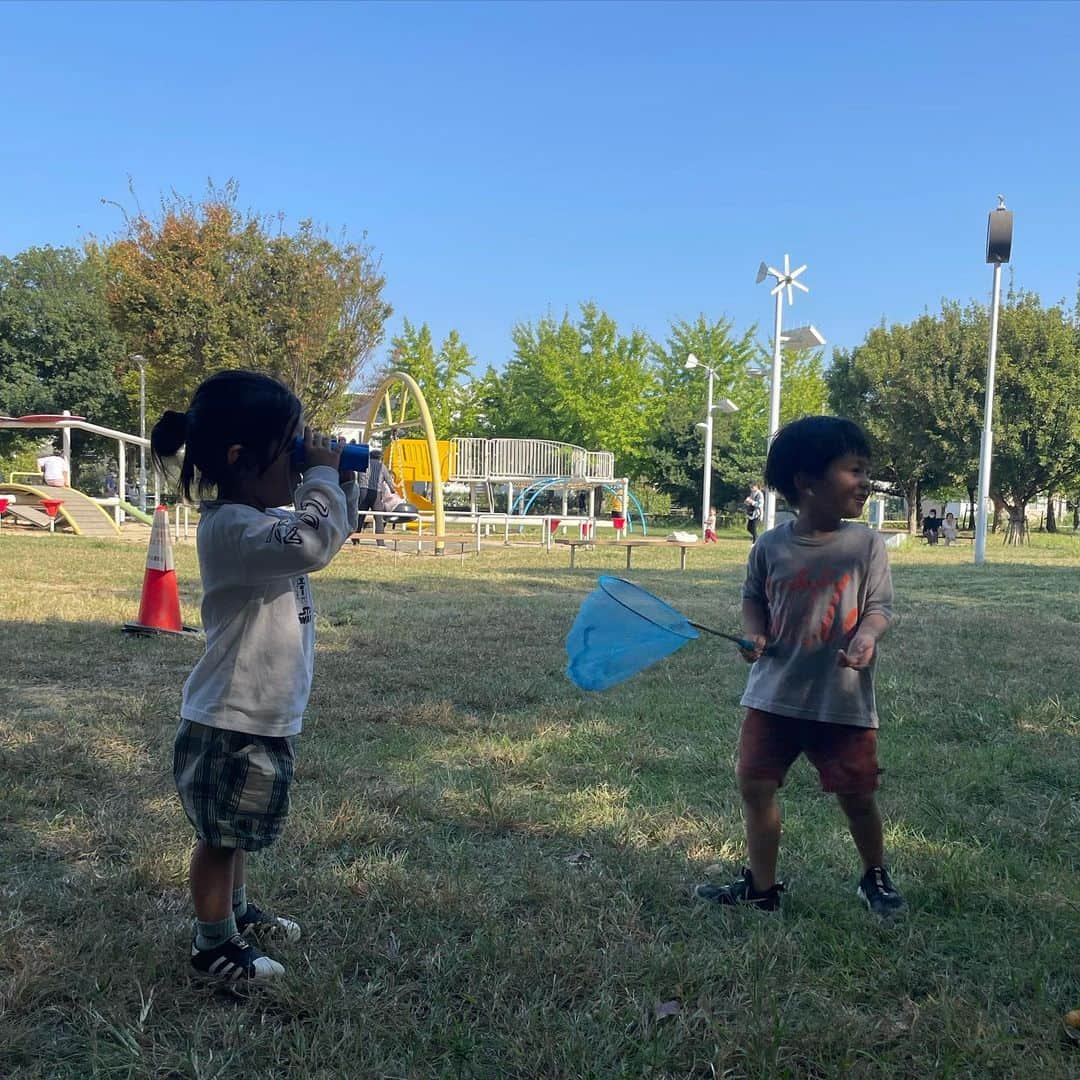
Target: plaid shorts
x=234, y=786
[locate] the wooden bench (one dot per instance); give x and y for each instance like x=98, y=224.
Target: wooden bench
x=464, y=543
x=573, y=544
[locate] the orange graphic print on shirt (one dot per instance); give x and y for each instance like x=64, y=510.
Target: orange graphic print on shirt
x=806, y=609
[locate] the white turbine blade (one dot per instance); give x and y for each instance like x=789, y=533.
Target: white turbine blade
x=787, y=265
x=796, y=273
x=775, y=273
x=778, y=287
x=800, y=285
x=790, y=294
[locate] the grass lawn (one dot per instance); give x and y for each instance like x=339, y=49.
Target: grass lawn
x=491, y=866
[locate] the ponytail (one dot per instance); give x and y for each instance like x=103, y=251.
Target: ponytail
x=231, y=407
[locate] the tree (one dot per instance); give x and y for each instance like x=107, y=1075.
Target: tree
x=912, y=388
x=803, y=393
x=676, y=446
x=443, y=376
x=582, y=383
x=1036, y=421
x=206, y=287
x=57, y=348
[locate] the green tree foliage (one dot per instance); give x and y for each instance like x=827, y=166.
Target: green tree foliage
x=676, y=449
x=205, y=287
x=57, y=348
x=912, y=389
x=740, y=440
x=918, y=389
x=584, y=383
x=444, y=377
x=1036, y=414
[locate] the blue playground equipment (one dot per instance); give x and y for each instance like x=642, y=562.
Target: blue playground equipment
x=538, y=487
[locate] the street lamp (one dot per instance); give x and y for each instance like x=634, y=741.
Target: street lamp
x=998, y=250
x=141, y=361
x=724, y=405
x=785, y=279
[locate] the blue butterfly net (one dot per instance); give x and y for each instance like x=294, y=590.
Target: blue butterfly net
x=619, y=631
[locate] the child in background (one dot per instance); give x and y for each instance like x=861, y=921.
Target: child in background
x=817, y=598
x=244, y=702
x=948, y=529
x=710, y=526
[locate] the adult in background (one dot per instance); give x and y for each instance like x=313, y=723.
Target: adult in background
x=930, y=526
x=755, y=510
x=372, y=483
x=391, y=502
x=54, y=470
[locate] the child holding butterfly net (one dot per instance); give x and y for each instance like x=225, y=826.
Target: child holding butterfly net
x=817, y=598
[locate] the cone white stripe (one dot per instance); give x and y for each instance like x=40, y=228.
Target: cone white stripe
x=160, y=556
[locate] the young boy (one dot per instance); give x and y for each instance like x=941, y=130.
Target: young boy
x=816, y=600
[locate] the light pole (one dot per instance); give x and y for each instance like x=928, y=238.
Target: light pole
x=785, y=279
x=724, y=405
x=141, y=361
x=998, y=250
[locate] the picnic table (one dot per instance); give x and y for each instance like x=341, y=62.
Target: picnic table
x=574, y=543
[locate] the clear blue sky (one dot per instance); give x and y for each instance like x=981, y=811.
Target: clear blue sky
x=508, y=159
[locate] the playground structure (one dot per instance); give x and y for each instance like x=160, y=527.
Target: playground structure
x=28, y=497
x=514, y=472
x=504, y=478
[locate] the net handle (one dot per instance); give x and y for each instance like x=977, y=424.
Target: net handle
x=741, y=642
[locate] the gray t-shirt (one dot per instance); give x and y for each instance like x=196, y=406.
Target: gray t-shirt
x=815, y=592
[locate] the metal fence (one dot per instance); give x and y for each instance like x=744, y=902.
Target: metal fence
x=526, y=459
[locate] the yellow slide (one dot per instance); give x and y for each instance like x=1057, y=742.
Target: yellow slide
x=410, y=463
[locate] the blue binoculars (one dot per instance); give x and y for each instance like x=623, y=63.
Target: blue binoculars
x=354, y=456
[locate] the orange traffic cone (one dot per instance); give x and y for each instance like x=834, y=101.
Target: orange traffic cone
x=159, y=608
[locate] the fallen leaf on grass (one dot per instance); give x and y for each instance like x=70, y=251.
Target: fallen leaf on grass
x=579, y=858
x=667, y=1008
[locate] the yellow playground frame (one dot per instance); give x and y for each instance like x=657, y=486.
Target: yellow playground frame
x=438, y=453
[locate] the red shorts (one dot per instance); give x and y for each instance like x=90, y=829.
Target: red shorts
x=844, y=756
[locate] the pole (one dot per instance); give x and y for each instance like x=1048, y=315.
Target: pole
x=65, y=440
x=986, y=450
x=142, y=434
x=706, y=486
x=774, y=402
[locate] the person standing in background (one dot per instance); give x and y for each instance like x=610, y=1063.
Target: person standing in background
x=755, y=508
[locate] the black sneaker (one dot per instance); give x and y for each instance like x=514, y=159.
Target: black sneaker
x=235, y=959
x=741, y=892
x=879, y=894
x=265, y=927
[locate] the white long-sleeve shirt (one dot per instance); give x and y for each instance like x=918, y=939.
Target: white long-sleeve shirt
x=257, y=609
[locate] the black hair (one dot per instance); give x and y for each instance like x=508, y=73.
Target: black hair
x=809, y=446
x=229, y=408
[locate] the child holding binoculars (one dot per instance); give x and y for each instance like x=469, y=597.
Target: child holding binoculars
x=243, y=704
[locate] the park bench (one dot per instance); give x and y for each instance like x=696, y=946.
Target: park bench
x=573, y=544
x=461, y=543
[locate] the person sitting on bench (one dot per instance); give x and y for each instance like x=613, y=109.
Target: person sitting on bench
x=54, y=470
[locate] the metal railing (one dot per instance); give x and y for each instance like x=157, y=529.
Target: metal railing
x=527, y=459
